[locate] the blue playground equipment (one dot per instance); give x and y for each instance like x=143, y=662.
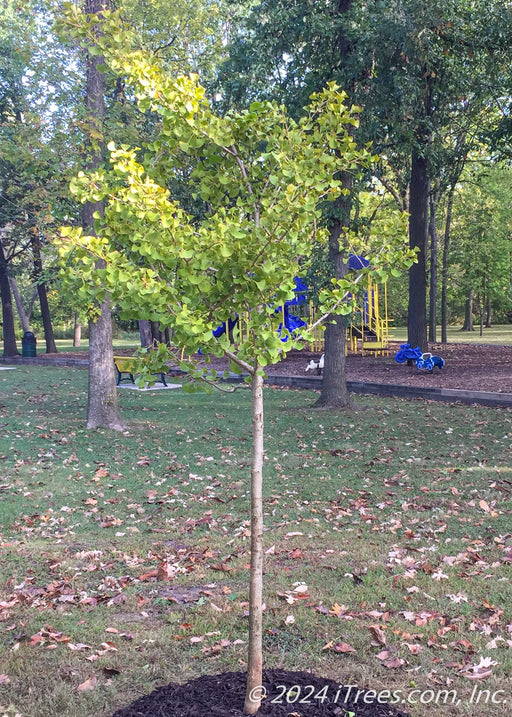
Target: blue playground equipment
x=423, y=361
x=291, y=321
x=369, y=325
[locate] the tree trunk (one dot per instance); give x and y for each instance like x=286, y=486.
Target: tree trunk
x=468, y=313
x=488, y=313
x=146, y=338
x=49, y=337
x=102, y=406
x=255, y=652
x=334, y=392
x=24, y=318
x=418, y=235
x=432, y=326
x=156, y=333
x=446, y=256
x=77, y=331
x=10, y=347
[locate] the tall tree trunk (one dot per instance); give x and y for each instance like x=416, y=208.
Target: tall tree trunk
x=24, y=317
x=156, y=334
x=488, y=312
x=146, y=337
x=77, y=331
x=418, y=236
x=432, y=324
x=334, y=392
x=255, y=652
x=468, y=312
x=102, y=405
x=446, y=257
x=10, y=347
x=49, y=337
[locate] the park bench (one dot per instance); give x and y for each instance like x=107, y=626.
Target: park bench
x=126, y=364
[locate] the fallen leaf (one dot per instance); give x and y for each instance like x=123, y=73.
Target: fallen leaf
x=343, y=647
x=378, y=634
x=390, y=660
x=89, y=684
x=414, y=648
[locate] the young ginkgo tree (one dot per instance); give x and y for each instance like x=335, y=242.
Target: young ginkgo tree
x=263, y=178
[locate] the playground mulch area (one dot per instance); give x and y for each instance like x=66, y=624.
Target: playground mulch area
x=467, y=366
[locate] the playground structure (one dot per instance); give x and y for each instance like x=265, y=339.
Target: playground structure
x=367, y=326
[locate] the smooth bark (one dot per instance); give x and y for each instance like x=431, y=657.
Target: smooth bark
x=77, y=331
x=24, y=316
x=255, y=652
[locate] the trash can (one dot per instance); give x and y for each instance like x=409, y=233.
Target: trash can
x=28, y=344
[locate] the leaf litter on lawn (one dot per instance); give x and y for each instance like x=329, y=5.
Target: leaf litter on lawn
x=395, y=517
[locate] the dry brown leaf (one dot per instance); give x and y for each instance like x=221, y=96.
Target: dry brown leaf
x=89, y=684
x=378, y=634
x=390, y=660
x=414, y=648
x=343, y=647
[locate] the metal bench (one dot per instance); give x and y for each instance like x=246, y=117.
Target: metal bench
x=126, y=364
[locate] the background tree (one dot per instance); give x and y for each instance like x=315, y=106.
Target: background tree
x=102, y=404
x=416, y=68
x=36, y=84
x=482, y=226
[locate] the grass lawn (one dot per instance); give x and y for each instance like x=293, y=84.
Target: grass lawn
x=124, y=559
x=500, y=335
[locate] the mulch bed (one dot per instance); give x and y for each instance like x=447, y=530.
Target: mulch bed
x=223, y=696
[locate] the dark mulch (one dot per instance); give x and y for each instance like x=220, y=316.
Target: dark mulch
x=223, y=696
